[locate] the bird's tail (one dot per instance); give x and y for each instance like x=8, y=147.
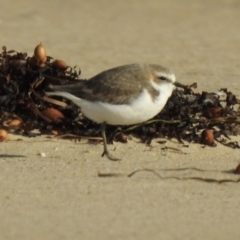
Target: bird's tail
x=63, y=94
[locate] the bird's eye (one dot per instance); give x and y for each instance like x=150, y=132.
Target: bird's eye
x=163, y=78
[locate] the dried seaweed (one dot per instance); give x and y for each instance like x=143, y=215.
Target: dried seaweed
x=205, y=118
x=201, y=179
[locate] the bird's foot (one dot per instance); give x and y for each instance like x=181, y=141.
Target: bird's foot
x=110, y=156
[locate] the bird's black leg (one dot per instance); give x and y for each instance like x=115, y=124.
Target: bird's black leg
x=106, y=152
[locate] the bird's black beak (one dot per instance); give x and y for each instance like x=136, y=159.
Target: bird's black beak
x=178, y=84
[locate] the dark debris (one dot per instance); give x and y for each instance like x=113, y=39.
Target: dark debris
x=24, y=80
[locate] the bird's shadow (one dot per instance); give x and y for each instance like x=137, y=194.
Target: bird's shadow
x=10, y=156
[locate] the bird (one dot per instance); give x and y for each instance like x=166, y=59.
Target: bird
x=124, y=95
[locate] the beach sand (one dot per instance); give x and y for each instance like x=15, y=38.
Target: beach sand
x=61, y=196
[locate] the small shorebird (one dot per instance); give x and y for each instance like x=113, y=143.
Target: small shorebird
x=124, y=95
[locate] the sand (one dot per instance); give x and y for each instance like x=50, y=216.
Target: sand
x=60, y=196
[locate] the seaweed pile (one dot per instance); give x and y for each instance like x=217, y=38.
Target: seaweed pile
x=189, y=116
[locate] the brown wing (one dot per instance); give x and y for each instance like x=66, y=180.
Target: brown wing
x=117, y=86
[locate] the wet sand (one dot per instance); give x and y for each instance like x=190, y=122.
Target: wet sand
x=60, y=196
